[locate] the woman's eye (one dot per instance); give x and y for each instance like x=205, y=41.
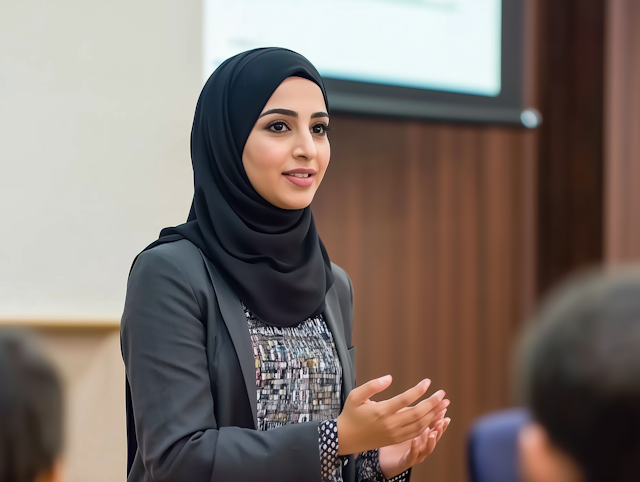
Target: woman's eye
x=278, y=127
x=320, y=129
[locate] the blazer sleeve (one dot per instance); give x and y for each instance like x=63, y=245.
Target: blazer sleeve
x=344, y=289
x=163, y=344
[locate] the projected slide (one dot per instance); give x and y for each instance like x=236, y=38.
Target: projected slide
x=448, y=45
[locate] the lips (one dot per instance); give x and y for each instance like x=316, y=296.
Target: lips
x=300, y=177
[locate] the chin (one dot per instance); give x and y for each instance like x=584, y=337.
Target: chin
x=294, y=207
x=295, y=203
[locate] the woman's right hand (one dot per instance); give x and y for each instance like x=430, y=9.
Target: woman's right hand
x=366, y=425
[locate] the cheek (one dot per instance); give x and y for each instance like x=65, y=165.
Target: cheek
x=263, y=160
x=535, y=461
x=323, y=157
x=268, y=158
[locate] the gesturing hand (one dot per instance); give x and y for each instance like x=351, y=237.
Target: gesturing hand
x=366, y=425
x=395, y=459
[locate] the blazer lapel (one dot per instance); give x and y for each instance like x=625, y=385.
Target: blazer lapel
x=333, y=318
x=236, y=322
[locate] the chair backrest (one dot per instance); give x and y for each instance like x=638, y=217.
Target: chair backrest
x=493, y=444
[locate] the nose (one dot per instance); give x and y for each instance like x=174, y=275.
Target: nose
x=305, y=147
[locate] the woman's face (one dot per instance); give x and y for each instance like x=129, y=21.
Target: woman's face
x=287, y=152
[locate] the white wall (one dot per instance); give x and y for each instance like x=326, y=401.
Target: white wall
x=96, y=105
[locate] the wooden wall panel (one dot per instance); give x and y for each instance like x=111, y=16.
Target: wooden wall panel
x=571, y=39
x=622, y=153
x=428, y=220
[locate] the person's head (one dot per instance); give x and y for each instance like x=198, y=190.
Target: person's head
x=262, y=117
x=287, y=152
x=580, y=376
x=31, y=412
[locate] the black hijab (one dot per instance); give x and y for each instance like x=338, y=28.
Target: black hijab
x=272, y=258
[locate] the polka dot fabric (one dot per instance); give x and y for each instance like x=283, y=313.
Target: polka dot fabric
x=368, y=469
x=330, y=462
x=367, y=464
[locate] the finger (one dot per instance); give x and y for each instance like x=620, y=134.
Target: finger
x=445, y=425
x=423, y=445
x=414, y=452
x=414, y=406
x=366, y=391
x=424, y=437
x=422, y=414
x=407, y=398
x=432, y=405
x=414, y=429
x=431, y=445
x=410, y=457
x=433, y=439
x=428, y=447
x=438, y=417
x=439, y=429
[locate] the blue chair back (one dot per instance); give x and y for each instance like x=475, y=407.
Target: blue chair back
x=493, y=445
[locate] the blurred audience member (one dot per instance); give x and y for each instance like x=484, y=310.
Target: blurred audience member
x=580, y=369
x=31, y=410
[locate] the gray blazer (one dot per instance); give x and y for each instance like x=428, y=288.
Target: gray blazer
x=191, y=388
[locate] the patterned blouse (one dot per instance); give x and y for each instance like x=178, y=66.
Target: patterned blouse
x=299, y=379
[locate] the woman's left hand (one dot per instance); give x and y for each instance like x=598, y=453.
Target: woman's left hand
x=395, y=459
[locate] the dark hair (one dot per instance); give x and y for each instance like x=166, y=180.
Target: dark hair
x=580, y=372
x=31, y=409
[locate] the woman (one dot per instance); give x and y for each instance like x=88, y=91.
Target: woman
x=236, y=333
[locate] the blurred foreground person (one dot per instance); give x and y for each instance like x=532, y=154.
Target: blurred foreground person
x=580, y=365
x=31, y=412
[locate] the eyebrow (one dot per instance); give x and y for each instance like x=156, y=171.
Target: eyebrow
x=292, y=113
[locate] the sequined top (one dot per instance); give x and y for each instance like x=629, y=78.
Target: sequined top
x=299, y=379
